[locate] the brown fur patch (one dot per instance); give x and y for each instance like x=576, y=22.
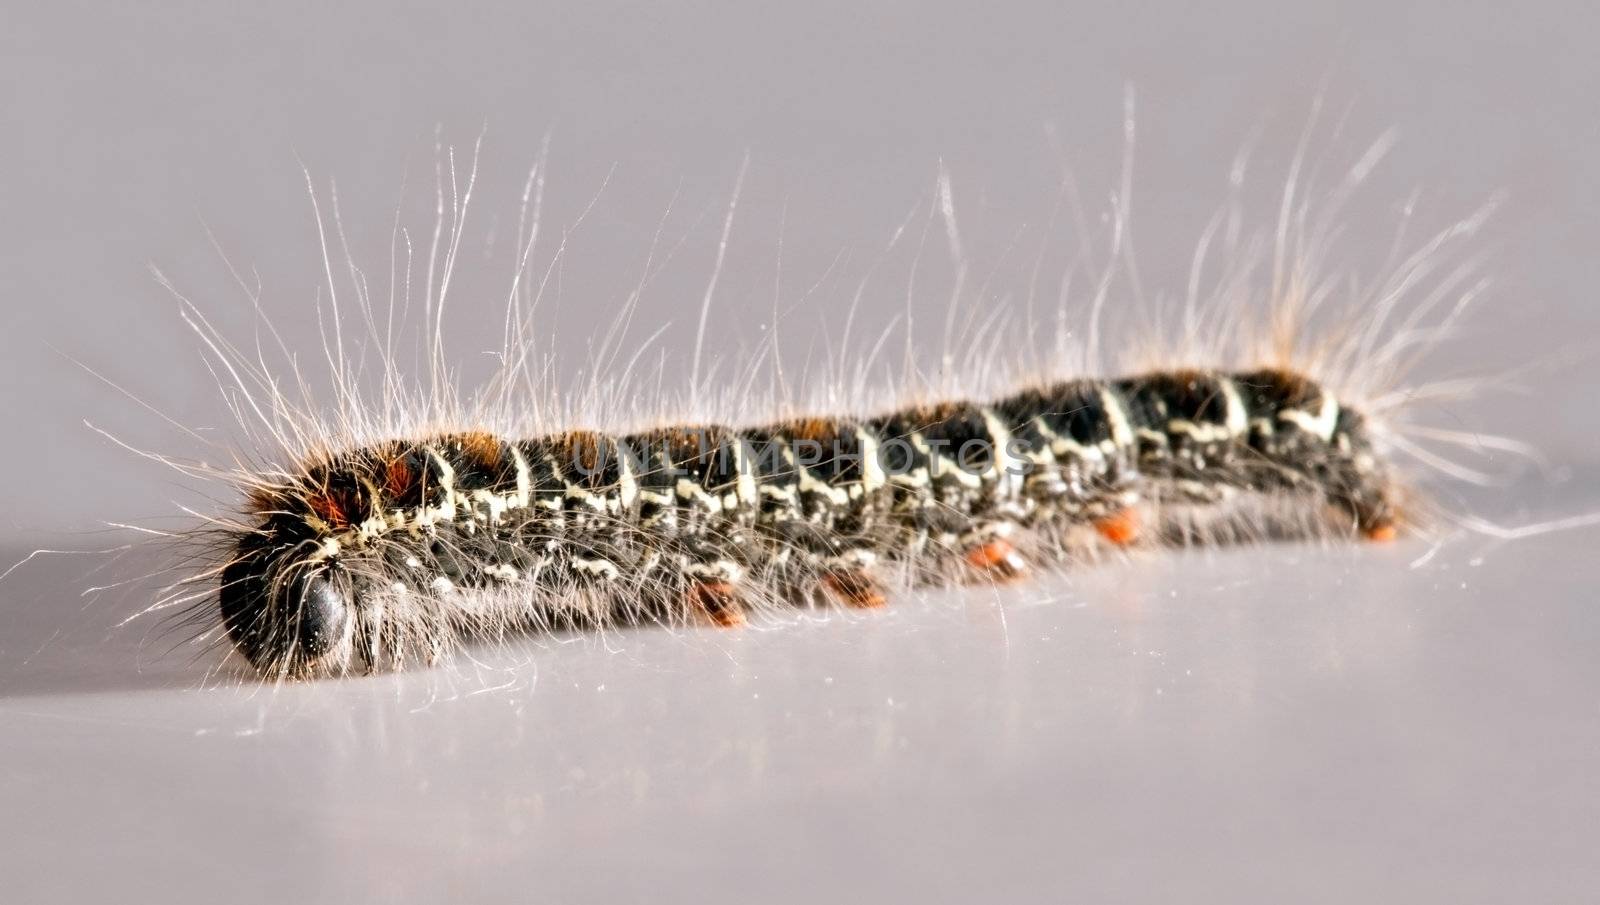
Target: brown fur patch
x=398, y=478
x=934, y=413
x=480, y=448
x=1298, y=390
x=338, y=509
x=584, y=448
x=265, y=500
x=814, y=428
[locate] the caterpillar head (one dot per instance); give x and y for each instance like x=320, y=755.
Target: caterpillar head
x=287, y=614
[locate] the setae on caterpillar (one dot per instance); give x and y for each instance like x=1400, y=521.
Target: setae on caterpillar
x=416, y=519
x=679, y=522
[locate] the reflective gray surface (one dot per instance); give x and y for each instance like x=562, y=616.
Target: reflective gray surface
x=1262, y=725
x=1287, y=724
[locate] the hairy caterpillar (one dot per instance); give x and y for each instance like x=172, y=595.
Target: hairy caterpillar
x=408, y=525
x=676, y=521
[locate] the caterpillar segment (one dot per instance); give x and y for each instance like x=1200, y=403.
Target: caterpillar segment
x=389, y=554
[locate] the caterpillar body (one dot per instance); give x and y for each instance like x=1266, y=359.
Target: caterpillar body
x=381, y=555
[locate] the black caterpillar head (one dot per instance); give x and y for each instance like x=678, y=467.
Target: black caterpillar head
x=285, y=615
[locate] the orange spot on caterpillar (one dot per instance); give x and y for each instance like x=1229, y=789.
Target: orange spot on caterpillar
x=998, y=558
x=330, y=508
x=1121, y=529
x=855, y=588
x=719, y=601
x=1382, y=533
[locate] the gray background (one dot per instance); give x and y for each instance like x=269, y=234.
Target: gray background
x=1241, y=726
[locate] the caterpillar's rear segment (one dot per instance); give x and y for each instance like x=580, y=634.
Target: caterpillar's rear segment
x=387, y=554
x=1202, y=436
